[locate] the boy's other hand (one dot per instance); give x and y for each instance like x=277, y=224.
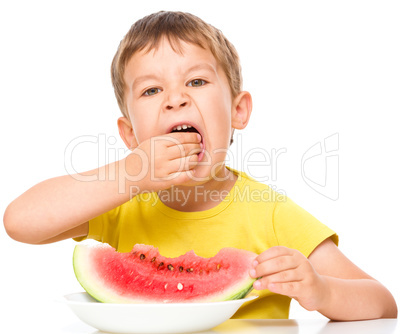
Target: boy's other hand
x=162, y=161
x=288, y=272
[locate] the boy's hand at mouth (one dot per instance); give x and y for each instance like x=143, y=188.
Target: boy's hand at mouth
x=162, y=161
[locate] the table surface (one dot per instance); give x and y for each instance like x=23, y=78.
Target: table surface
x=308, y=326
x=301, y=326
x=64, y=324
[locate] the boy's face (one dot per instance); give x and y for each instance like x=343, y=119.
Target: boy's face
x=166, y=89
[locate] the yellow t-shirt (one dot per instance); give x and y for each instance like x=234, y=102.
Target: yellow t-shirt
x=252, y=217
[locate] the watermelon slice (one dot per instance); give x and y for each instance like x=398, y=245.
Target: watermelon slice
x=145, y=276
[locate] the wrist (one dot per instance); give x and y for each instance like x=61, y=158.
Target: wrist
x=132, y=173
x=324, y=294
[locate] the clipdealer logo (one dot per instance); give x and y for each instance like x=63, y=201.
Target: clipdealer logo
x=319, y=164
x=320, y=167
x=237, y=194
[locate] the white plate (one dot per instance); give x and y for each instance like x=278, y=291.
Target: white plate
x=151, y=318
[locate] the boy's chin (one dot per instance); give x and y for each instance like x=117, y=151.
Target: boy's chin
x=204, y=174
x=198, y=177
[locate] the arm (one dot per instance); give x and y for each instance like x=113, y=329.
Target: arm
x=327, y=282
x=61, y=207
x=352, y=294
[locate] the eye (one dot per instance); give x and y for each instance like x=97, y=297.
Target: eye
x=197, y=83
x=152, y=91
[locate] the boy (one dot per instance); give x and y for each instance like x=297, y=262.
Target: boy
x=178, y=84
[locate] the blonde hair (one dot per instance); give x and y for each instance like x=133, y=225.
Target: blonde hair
x=146, y=34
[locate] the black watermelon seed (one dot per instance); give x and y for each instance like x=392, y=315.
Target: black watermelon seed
x=180, y=268
x=160, y=264
x=142, y=256
x=190, y=270
x=170, y=267
x=153, y=259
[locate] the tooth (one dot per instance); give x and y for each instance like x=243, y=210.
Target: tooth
x=175, y=128
x=179, y=127
x=184, y=127
x=189, y=126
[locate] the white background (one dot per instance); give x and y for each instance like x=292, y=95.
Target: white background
x=314, y=69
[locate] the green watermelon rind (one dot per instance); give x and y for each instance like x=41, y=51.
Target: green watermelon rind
x=242, y=293
x=99, y=292
x=83, y=271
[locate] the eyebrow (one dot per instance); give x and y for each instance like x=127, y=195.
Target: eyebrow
x=143, y=78
x=202, y=66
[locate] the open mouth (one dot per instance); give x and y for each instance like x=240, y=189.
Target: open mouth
x=190, y=128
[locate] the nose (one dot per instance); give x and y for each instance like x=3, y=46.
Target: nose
x=176, y=100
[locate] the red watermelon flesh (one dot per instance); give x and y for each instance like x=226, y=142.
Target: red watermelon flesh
x=145, y=276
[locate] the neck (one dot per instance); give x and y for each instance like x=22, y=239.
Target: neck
x=199, y=197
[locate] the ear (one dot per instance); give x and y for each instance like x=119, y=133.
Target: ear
x=241, y=110
x=127, y=133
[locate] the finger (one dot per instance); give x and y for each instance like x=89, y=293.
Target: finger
x=274, y=252
x=182, y=137
x=182, y=164
x=189, y=162
x=284, y=277
x=275, y=265
x=183, y=150
x=174, y=139
x=290, y=289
